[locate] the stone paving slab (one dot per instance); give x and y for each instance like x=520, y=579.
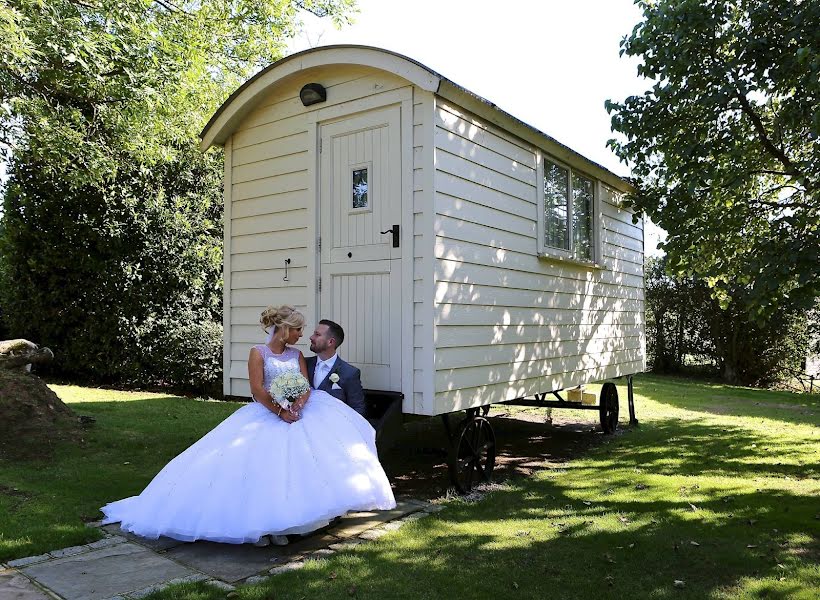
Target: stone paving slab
x=229, y=562
x=354, y=524
x=124, y=566
x=14, y=586
x=158, y=545
x=28, y=560
x=106, y=572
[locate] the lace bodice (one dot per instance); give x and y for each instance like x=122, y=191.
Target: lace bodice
x=276, y=364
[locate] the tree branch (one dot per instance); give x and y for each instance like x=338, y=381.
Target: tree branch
x=757, y=123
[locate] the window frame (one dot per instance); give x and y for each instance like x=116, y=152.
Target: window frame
x=567, y=255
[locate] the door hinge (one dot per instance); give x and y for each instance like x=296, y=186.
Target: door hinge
x=320, y=145
x=319, y=284
x=319, y=243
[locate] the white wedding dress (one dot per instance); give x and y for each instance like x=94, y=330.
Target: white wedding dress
x=254, y=474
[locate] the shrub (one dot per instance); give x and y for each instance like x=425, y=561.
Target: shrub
x=686, y=326
x=88, y=271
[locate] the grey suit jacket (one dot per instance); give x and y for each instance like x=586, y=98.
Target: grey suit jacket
x=350, y=383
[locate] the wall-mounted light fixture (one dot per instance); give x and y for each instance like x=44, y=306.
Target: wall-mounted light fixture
x=312, y=93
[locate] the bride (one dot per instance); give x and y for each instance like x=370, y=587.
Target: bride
x=265, y=470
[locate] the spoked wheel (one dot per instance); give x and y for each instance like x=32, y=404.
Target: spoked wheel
x=472, y=453
x=608, y=407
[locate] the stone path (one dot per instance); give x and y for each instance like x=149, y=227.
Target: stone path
x=122, y=566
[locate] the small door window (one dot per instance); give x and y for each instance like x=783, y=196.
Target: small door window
x=361, y=198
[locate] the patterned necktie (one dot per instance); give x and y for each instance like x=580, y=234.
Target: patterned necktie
x=319, y=373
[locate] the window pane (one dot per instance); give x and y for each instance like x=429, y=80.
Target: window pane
x=360, y=188
x=556, y=193
x=581, y=217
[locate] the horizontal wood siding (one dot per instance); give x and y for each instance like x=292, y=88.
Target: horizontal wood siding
x=270, y=171
x=508, y=323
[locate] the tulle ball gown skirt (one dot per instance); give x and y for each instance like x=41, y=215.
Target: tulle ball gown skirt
x=255, y=475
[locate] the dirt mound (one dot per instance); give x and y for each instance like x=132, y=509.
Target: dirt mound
x=32, y=417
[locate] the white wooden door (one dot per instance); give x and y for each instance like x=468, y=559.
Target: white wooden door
x=360, y=266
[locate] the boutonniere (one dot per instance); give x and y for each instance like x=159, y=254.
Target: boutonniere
x=334, y=378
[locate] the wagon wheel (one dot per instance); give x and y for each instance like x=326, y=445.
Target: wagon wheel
x=608, y=407
x=472, y=453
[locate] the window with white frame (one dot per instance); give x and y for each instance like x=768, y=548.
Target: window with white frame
x=568, y=216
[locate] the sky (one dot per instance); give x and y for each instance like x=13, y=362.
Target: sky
x=550, y=63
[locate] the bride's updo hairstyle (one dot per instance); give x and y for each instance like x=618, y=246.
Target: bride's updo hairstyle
x=282, y=318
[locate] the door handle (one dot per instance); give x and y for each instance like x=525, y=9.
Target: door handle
x=395, y=231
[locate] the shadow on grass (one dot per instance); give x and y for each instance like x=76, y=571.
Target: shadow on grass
x=696, y=448
x=45, y=501
x=722, y=399
x=556, y=549
x=676, y=501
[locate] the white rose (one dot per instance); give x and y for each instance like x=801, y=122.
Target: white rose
x=334, y=378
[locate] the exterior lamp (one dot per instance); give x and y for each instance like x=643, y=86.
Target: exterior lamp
x=312, y=93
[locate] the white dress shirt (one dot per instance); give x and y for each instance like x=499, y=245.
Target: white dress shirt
x=323, y=367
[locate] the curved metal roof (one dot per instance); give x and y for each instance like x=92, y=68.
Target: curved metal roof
x=248, y=95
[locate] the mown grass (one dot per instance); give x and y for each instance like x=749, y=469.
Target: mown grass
x=45, y=503
x=718, y=489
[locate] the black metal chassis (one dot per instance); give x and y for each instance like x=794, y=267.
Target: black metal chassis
x=471, y=455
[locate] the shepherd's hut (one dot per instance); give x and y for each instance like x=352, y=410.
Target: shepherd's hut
x=471, y=258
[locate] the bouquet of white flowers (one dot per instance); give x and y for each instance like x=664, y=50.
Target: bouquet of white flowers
x=287, y=387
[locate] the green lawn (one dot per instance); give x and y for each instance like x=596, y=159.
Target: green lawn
x=718, y=489
x=44, y=505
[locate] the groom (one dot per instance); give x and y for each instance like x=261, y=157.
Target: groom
x=328, y=372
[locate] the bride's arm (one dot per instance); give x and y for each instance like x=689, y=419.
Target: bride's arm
x=300, y=402
x=256, y=373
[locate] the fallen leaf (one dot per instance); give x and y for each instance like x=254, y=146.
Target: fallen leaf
x=522, y=533
x=779, y=566
x=752, y=546
x=631, y=545
x=679, y=583
x=694, y=508
x=333, y=575
x=641, y=486
x=515, y=585
x=694, y=543
x=587, y=502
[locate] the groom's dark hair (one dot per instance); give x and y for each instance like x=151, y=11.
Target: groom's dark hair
x=336, y=331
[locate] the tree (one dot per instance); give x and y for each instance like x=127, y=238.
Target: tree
x=110, y=233
x=83, y=80
x=725, y=146
x=686, y=327
x=677, y=319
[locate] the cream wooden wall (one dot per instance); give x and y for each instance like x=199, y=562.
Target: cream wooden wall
x=509, y=324
x=423, y=256
x=268, y=176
